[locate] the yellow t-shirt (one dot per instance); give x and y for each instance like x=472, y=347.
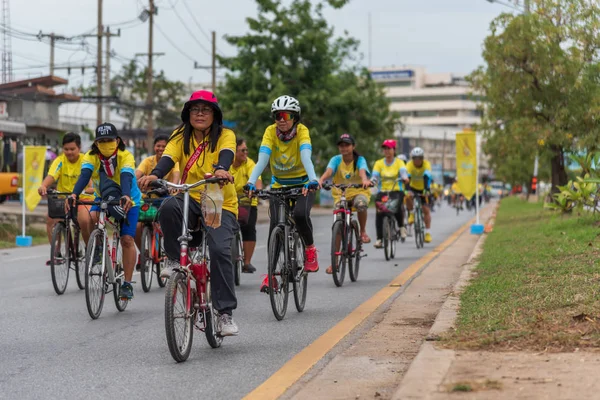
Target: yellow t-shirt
x=205, y=164
x=344, y=174
x=241, y=176
x=286, y=165
x=66, y=174
x=389, y=174
x=125, y=163
x=149, y=163
x=455, y=188
x=417, y=175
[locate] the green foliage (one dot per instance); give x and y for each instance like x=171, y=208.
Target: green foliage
x=292, y=50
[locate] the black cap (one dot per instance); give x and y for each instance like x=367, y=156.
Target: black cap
x=106, y=131
x=346, y=138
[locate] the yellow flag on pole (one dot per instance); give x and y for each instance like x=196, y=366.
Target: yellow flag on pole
x=466, y=162
x=33, y=167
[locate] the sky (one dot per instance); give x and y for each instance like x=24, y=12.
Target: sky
x=441, y=35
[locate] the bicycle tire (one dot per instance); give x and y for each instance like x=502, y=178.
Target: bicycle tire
x=120, y=303
x=339, y=252
x=419, y=234
x=179, y=351
x=278, y=289
x=95, y=288
x=422, y=230
x=79, y=256
x=301, y=286
x=59, y=258
x=147, y=264
x=160, y=248
x=385, y=238
x=354, y=260
x=393, y=236
x=212, y=337
x=236, y=258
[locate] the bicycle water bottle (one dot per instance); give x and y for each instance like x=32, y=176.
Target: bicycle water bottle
x=212, y=206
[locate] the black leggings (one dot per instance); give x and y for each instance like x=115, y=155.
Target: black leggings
x=399, y=214
x=249, y=229
x=301, y=217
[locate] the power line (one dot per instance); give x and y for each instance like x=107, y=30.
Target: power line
x=196, y=21
x=173, y=43
x=190, y=31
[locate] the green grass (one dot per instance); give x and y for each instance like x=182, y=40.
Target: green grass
x=9, y=233
x=536, y=286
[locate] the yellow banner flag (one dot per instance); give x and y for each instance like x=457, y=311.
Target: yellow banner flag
x=466, y=162
x=33, y=165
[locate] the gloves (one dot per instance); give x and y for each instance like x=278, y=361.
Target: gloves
x=249, y=187
x=312, y=185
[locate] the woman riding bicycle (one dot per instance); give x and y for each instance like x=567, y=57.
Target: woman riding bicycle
x=65, y=170
x=201, y=145
x=248, y=212
x=350, y=168
x=419, y=172
x=145, y=168
x=388, y=174
x=287, y=147
x=111, y=168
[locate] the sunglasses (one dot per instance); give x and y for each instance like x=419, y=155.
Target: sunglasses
x=201, y=110
x=283, y=115
x=244, y=150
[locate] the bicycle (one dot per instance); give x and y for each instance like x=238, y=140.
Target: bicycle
x=104, y=266
x=458, y=203
x=237, y=255
x=67, y=250
x=346, y=243
x=286, y=254
x=390, y=233
x=419, y=221
x=152, y=253
x=191, y=282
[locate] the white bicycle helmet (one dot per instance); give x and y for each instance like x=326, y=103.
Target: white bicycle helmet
x=417, y=152
x=286, y=103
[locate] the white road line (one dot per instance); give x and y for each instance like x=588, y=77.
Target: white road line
x=25, y=258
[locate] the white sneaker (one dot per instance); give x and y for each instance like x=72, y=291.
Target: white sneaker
x=227, y=326
x=170, y=265
x=378, y=244
x=403, y=233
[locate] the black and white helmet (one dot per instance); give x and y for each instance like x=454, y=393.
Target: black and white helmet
x=286, y=103
x=417, y=152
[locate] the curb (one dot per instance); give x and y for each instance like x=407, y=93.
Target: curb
x=430, y=366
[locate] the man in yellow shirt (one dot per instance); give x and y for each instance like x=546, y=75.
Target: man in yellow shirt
x=419, y=173
x=201, y=145
x=241, y=169
x=457, y=197
x=65, y=170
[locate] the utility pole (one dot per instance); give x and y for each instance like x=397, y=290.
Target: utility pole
x=149, y=100
x=100, y=32
x=53, y=39
x=213, y=66
x=107, y=70
x=443, y=155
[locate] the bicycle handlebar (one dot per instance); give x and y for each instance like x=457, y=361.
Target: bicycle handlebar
x=161, y=183
x=329, y=186
x=266, y=194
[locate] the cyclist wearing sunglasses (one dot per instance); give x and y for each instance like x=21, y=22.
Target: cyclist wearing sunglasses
x=419, y=171
x=287, y=147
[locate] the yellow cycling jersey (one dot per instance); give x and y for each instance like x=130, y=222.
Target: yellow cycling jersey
x=417, y=174
x=456, y=188
x=388, y=175
x=241, y=175
x=345, y=174
x=66, y=175
x=149, y=163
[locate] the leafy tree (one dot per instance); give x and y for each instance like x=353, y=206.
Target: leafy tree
x=292, y=50
x=541, y=84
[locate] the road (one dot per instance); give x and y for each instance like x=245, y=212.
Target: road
x=51, y=349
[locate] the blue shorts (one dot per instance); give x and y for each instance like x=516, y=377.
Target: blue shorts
x=129, y=228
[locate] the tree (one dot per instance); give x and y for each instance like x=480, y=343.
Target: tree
x=292, y=50
x=541, y=84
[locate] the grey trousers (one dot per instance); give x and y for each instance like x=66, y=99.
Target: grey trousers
x=219, y=248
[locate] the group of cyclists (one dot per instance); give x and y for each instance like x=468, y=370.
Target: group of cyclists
x=201, y=145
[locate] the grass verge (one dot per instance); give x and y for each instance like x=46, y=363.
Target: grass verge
x=536, y=286
x=9, y=233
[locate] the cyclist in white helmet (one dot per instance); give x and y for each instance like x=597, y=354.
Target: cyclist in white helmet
x=419, y=173
x=286, y=146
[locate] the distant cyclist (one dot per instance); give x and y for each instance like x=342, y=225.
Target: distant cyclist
x=419, y=172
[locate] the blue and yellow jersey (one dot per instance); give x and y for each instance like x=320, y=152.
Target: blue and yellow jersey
x=66, y=175
x=388, y=175
x=346, y=174
x=417, y=175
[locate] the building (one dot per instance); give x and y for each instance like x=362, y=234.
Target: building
x=433, y=108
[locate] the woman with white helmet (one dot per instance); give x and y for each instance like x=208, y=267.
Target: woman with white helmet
x=286, y=146
x=419, y=173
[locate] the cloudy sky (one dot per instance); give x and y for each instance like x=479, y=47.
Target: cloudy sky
x=442, y=35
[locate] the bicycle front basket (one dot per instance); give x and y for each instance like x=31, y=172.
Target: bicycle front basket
x=392, y=205
x=56, y=206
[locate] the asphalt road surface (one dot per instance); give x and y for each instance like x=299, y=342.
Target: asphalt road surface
x=51, y=349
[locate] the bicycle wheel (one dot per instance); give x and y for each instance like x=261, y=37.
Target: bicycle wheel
x=422, y=228
x=338, y=253
x=393, y=236
x=418, y=228
x=179, y=320
x=278, y=273
x=300, y=283
x=95, y=274
x=354, y=251
x=59, y=258
x=236, y=257
x=213, y=338
x=161, y=256
x=147, y=264
x=386, y=238
x=120, y=303
x=79, y=258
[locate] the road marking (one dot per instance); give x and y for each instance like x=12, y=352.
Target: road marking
x=295, y=368
x=24, y=258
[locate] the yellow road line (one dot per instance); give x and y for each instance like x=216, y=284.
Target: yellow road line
x=295, y=368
